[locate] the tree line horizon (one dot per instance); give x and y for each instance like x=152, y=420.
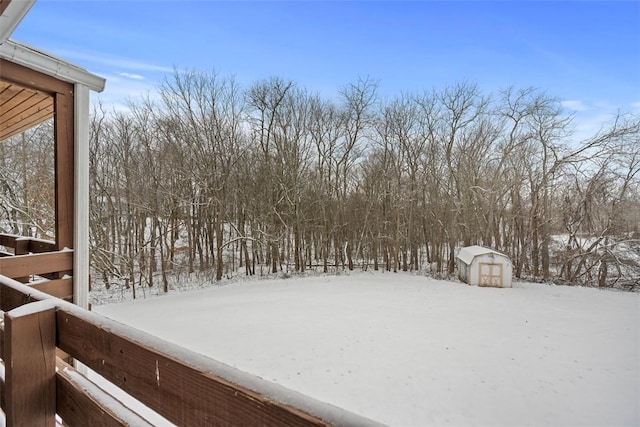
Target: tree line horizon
x=209, y=176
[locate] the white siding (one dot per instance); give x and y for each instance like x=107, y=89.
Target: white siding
x=497, y=267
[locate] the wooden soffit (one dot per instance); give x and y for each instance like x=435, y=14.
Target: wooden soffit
x=22, y=108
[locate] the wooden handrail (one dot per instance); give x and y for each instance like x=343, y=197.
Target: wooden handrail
x=61, y=288
x=40, y=264
x=24, y=245
x=37, y=246
x=186, y=388
x=81, y=402
x=186, y=393
x=8, y=240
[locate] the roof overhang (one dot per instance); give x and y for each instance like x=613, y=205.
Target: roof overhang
x=11, y=13
x=24, y=107
x=46, y=63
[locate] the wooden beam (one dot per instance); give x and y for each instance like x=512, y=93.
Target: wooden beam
x=25, y=265
x=21, y=248
x=64, y=170
x=14, y=294
x=59, y=288
x=32, y=79
x=8, y=240
x=64, y=141
x=33, y=245
x=30, y=366
x=11, y=298
x=182, y=393
x=37, y=246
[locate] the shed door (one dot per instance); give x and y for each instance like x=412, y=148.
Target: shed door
x=491, y=275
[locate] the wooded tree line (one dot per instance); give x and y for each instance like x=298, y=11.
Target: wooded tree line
x=210, y=176
x=26, y=183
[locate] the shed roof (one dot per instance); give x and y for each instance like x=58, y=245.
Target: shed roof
x=467, y=254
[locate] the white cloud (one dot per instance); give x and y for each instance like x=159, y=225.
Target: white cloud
x=575, y=105
x=635, y=106
x=120, y=89
x=112, y=60
x=132, y=76
x=591, y=116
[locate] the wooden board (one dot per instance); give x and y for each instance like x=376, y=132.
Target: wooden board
x=8, y=240
x=32, y=244
x=64, y=170
x=22, y=108
x=60, y=288
x=82, y=403
x=38, y=246
x=25, y=265
x=32, y=79
x=181, y=393
x=29, y=354
x=11, y=298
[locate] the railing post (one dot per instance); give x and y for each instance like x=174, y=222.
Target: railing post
x=22, y=248
x=29, y=355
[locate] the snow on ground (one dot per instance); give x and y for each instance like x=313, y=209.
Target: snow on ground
x=407, y=350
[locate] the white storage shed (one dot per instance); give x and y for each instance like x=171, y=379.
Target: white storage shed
x=482, y=266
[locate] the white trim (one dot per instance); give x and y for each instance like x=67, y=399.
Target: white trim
x=37, y=60
x=12, y=16
x=81, y=198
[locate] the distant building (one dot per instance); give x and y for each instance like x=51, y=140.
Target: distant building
x=482, y=266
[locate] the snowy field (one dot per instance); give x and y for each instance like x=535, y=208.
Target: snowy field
x=407, y=350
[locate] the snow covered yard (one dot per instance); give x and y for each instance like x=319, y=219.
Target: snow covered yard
x=407, y=350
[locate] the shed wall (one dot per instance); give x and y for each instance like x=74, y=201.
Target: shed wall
x=463, y=271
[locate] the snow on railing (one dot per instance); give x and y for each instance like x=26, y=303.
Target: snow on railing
x=186, y=388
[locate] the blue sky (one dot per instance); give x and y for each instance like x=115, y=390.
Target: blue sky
x=585, y=53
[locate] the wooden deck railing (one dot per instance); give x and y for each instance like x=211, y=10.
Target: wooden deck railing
x=186, y=388
x=38, y=264
x=23, y=245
